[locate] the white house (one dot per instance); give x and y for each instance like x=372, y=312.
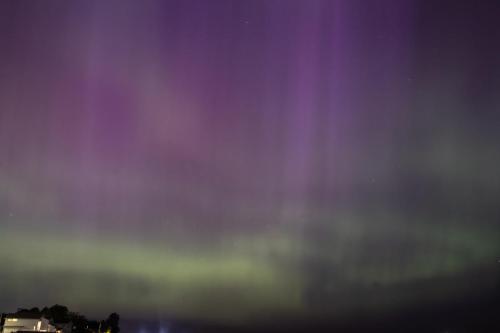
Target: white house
x=27, y=322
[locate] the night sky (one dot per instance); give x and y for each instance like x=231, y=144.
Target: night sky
x=235, y=160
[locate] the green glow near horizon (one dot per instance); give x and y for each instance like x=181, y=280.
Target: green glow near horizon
x=240, y=279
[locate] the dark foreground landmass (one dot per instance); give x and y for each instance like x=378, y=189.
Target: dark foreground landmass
x=480, y=313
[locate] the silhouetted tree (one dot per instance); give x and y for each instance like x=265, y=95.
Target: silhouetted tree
x=80, y=323
x=46, y=312
x=93, y=325
x=59, y=313
x=113, y=323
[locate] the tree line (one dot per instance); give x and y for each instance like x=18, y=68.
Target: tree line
x=60, y=314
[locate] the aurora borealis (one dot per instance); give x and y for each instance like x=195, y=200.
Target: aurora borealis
x=233, y=160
